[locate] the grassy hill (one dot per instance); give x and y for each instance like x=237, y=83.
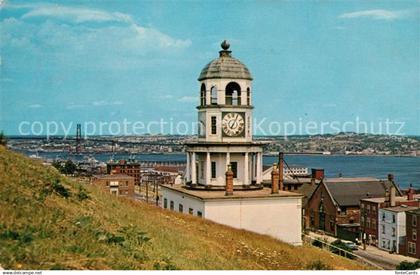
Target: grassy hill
x=50, y=222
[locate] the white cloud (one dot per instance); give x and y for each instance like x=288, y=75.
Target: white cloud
x=166, y=96
x=35, y=106
x=188, y=99
x=377, y=14
x=119, y=43
x=75, y=14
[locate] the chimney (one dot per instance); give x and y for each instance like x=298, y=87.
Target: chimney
x=281, y=170
x=275, y=180
x=317, y=173
x=229, y=181
x=387, y=196
x=392, y=196
x=410, y=193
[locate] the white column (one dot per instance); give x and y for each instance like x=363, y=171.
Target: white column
x=187, y=169
x=227, y=160
x=193, y=169
x=208, y=168
x=259, y=164
x=246, y=170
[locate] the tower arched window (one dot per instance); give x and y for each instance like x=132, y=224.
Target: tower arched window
x=248, y=96
x=203, y=95
x=233, y=94
x=213, y=95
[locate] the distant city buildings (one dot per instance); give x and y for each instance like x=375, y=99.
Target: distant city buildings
x=128, y=167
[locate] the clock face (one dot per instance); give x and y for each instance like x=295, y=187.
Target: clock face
x=233, y=124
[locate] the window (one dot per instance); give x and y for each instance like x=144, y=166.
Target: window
x=312, y=217
x=367, y=222
x=191, y=211
x=180, y=208
x=368, y=209
x=213, y=125
x=383, y=216
x=383, y=229
x=203, y=95
x=234, y=169
x=414, y=236
x=373, y=224
x=411, y=248
x=414, y=221
x=199, y=214
x=213, y=95
x=248, y=96
x=233, y=94
x=213, y=169
x=393, y=232
x=393, y=218
x=171, y=205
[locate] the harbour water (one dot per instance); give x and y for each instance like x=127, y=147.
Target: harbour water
x=406, y=170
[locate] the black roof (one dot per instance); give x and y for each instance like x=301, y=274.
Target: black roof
x=349, y=193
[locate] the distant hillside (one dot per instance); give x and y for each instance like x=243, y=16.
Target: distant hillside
x=50, y=222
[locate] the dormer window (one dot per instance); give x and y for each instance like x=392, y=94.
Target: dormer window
x=233, y=94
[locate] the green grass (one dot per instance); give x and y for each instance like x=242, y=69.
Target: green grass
x=48, y=221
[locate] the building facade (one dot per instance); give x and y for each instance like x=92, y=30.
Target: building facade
x=392, y=228
x=412, y=248
x=369, y=209
x=118, y=184
x=127, y=167
x=334, y=206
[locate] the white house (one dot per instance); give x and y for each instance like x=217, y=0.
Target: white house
x=223, y=177
x=392, y=228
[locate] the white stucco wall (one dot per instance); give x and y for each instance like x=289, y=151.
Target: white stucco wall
x=387, y=238
x=186, y=201
x=277, y=217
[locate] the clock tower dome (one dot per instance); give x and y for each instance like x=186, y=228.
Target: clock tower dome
x=224, y=127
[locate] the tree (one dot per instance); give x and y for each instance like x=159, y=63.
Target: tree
x=69, y=167
x=3, y=139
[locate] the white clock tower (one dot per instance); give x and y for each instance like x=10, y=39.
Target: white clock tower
x=225, y=127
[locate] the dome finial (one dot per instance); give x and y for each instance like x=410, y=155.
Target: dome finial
x=225, y=52
x=225, y=45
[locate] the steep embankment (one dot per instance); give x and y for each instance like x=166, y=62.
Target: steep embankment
x=50, y=222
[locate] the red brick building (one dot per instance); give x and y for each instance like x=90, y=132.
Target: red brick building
x=413, y=233
x=370, y=208
x=334, y=206
x=129, y=168
x=118, y=184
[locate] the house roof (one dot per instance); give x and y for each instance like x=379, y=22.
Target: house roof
x=349, y=191
x=113, y=177
x=401, y=208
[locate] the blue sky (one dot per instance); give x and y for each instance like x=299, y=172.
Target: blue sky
x=77, y=61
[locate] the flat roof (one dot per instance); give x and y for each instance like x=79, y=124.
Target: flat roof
x=401, y=208
x=113, y=176
x=399, y=199
x=220, y=194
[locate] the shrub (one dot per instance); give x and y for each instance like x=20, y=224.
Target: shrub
x=317, y=265
x=405, y=265
x=82, y=194
x=60, y=189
